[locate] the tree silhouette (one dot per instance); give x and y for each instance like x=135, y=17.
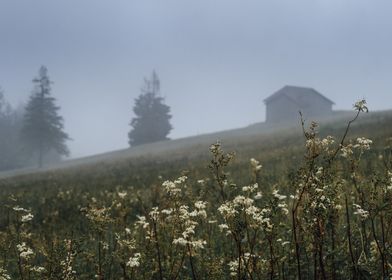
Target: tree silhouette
x=151, y=123
x=42, y=131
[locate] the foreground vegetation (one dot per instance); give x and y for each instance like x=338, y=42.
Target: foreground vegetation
x=317, y=211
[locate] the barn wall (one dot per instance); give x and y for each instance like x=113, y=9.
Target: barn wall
x=283, y=109
x=315, y=107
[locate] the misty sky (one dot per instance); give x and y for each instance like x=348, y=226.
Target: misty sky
x=217, y=59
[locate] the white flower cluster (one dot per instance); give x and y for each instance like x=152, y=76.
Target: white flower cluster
x=122, y=194
x=361, y=212
x=142, y=222
x=233, y=267
x=216, y=148
x=347, y=150
x=67, y=265
x=361, y=106
x=227, y=210
x=126, y=243
x=189, y=225
x=38, y=269
x=280, y=203
x=20, y=209
x=195, y=244
x=327, y=142
x=389, y=186
x=250, y=188
x=258, y=217
x=97, y=215
x=4, y=275
x=363, y=144
x=134, y=261
x=256, y=166
x=25, y=252
x=154, y=213
x=200, y=209
x=173, y=188
x=316, y=145
x=278, y=196
x=26, y=218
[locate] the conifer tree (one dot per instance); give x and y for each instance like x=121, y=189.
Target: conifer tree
x=43, y=128
x=151, y=123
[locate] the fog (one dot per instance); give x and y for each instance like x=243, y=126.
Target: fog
x=216, y=60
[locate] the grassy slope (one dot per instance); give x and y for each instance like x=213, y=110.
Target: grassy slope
x=273, y=146
x=184, y=147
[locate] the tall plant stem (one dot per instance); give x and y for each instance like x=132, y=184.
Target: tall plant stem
x=355, y=272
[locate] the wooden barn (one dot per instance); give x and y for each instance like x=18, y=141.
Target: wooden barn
x=284, y=105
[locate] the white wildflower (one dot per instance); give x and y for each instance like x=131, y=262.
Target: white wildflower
x=200, y=205
x=227, y=209
x=361, y=212
x=171, y=188
x=361, y=106
x=198, y=244
x=19, y=209
x=180, y=241
x=134, y=261
x=154, y=213
x=181, y=180
x=4, y=275
x=250, y=188
x=276, y=194
x=363, y=143
x=122, y=195
x=346, y=151
x=26, y=218
x=241, y=200
x=142, y=221
x=223, y=227
x=37, y=269
x=201, y=182
x=233, y=267
x=167, y=211
x=255, y=164
x=258, y=195
x=25, y=252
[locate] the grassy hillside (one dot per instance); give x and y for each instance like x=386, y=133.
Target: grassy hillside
x=197, y=146
x=314, y=210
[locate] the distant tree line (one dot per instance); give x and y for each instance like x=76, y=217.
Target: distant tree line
x=33, y=135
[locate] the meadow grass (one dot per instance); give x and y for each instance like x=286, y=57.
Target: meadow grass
x=309, y=204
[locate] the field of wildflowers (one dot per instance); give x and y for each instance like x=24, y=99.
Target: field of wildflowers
x=322, y=210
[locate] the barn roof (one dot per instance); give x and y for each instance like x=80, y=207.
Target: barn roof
x=295, y=93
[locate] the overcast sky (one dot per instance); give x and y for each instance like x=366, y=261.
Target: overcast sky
x=217, y=59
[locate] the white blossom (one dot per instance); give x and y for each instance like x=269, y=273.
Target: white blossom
x=26, y=218
x=276, y=194
x=360, y=211
x=122, y=195
x=255, y=164
x=25, y=252
x=134, y=261
x=250, y=188
x=4, y=275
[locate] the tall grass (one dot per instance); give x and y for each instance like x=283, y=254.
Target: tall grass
x=327, y=216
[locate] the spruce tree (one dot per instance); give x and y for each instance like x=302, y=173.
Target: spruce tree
x=43, y=128
x=151, y=123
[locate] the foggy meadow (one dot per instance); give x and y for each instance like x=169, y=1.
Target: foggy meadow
x=195, y=140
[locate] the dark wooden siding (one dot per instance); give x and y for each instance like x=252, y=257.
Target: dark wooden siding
x=284, y=109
